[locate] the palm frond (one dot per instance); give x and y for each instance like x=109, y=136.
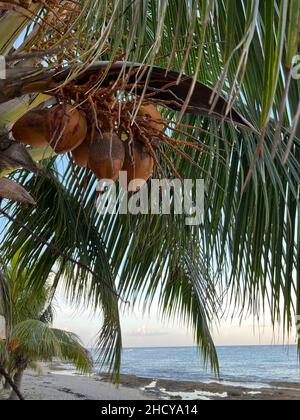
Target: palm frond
x=80, y=242
x=40, y=342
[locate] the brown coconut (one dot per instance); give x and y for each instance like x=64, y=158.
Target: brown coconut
x=150, y=112
x=80, y=155
x=106, y=156
x=68, y=128
x=32, y=129
x=140, y=169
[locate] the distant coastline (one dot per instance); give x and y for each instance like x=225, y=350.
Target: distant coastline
x=217, y=347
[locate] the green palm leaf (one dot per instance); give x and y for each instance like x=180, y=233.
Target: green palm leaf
x=39, y=342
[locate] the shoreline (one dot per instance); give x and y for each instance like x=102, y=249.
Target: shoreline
x=54, y=384
x=214, y=390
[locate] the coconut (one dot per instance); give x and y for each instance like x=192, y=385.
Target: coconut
x=32, y=129
x=106, y=156
x=138, y=171
x=68, y=128
x=154, y=116
x=80, y=155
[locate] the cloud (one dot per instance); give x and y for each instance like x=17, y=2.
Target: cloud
x=143, y=331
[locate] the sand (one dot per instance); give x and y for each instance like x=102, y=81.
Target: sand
x=49, y=386
x=58, y=386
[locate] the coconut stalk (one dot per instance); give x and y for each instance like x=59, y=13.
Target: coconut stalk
x=167, y=88
x=141, y=79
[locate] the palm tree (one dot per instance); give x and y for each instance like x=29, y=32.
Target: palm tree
x=245, y=257
x=29, y=338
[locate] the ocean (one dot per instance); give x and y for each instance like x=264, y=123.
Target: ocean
x=245, y=364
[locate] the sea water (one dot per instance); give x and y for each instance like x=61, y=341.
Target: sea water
x=245, y=363
x=253, y=364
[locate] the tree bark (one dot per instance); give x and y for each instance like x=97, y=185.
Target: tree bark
x=11, y=383
x=17, y=382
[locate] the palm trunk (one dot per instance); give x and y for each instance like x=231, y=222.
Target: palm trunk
x=11, y=383
x=17, y=382
x=6, y=385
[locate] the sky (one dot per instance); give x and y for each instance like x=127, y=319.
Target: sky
x=147, y=330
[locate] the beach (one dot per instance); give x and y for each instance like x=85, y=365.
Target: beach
x=50, y=386
x=56, y=385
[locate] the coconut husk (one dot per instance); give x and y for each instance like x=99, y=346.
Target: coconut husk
x=81, y=154
x=12, y=191
x=106, y=156
x=153, y=115
x=139, y=167
x=16, y=156
x=68, y=128
x=33, y=129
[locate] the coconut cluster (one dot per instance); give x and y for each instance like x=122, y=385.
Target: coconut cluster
x=66, y=130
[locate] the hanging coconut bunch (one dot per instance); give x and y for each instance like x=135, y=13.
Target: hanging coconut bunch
x=113, y=126
x=126, y=119
x=101, y=134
